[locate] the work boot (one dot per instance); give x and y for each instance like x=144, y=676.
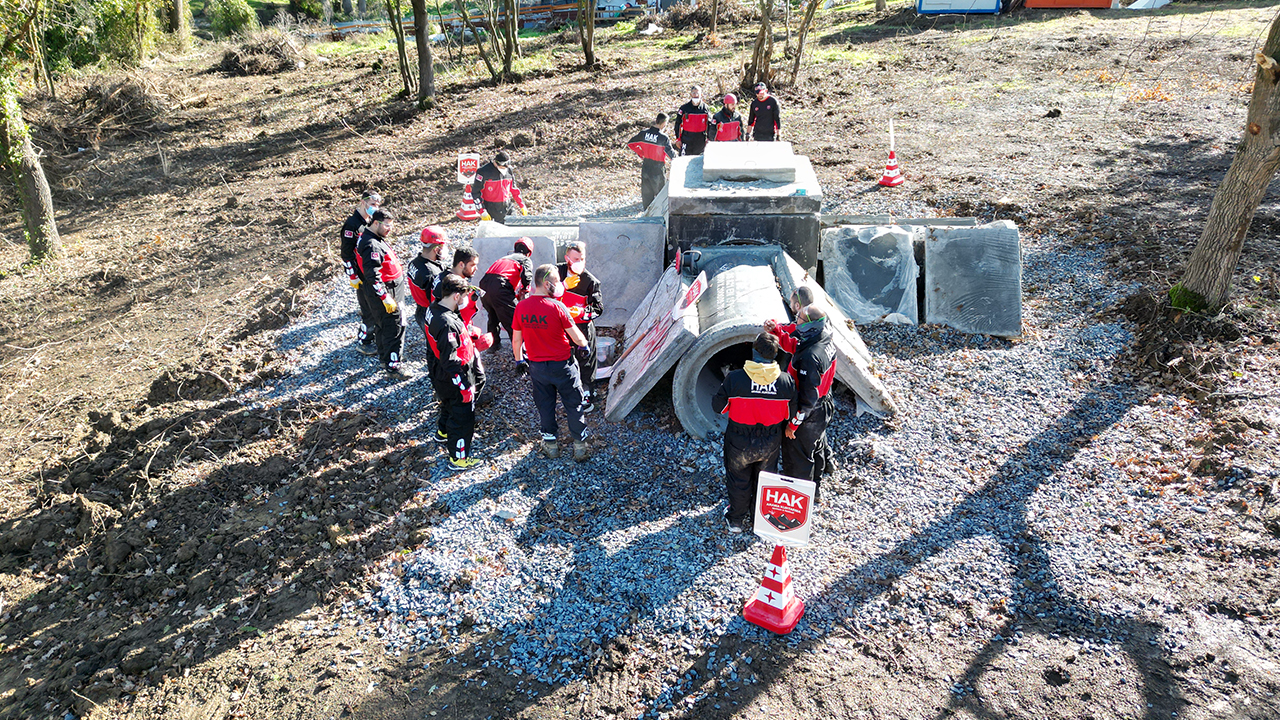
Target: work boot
x=441, y=437
x=460, y=464
x=368, y=349
x=580, y=450
x=396, y=373
x=551, y=449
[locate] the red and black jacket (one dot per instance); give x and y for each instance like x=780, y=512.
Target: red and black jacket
x=516, y=269
x=765, y=118
x=728, y=126
x=653, y=145
x=753, y=408
x=378, y=263
x=584, y=301
x=423, y=274
x=786, y=335
x=457, y=361
x=493, y=185
x=692, y=120
x=352, y=229
x=467, y=312
x=813, y=365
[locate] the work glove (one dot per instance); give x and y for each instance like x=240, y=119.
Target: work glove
x=389, y=304
x=522, y=368
x=485, y=215
x=483, y=341
x=582, y=352
x=524, y=210
x=355, y=283
x=468, y=394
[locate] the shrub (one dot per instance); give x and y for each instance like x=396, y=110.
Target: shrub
x=309, y=8
x=230, y=17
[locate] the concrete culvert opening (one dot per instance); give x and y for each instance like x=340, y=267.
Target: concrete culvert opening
x=708, y=379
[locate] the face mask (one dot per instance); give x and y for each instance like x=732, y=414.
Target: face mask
x=465, y=302
x=557, y=290
x=577, y=267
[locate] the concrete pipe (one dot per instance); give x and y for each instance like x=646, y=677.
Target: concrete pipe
x=742, y=292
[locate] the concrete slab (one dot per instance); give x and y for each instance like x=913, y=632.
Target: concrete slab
x=974, y=278
x=772, y=161
x=796, y=234
x=561, y=235
x=492, y=247
x=659, y=340
x=628, y=257
x=870, y=273
x=689, y=193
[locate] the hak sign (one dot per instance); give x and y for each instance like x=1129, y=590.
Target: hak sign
x=468, y=164
x=784, y=509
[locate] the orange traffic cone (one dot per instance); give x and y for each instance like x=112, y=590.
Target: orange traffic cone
x=470, y=209
x=892, y=176
x=775, y=606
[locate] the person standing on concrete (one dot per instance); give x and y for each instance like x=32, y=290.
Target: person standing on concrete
x=759, y=399
x=691, y=124
x=458, y=379
x=766, y=116
x=424, y=270
x=727, y=125
x=495, y=189
x=543, y=343
x=654, y=148
x=352, y=229
x=582, y=297
x=383, y=282
x=813, y=366
x=504, y=283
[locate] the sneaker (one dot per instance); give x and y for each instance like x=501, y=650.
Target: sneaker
x=399, y=374
x=580, y=451
x=735, y=526
x=440, y=437
x=589, y=407
x=551, y=449
x=459, y=464
x=369, y=349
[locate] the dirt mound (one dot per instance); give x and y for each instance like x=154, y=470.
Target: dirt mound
x=682, y=16
x=102, y=106
x=266, y=53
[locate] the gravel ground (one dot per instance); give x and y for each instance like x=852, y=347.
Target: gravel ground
x=985, y=505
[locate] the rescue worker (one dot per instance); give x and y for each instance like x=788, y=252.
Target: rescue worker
x=654, y=147
x=458, y=378
x=425, y=270
x=504, y=283
x=495, y=189
x=765, y=118
x=805, y=453
x=582, y=297
x=382, y=279
x=801, y=297
x=691, y=124
x=352, y=229
x=727, y=124
x=759, y=399
x=464, y=266
x=543, y=343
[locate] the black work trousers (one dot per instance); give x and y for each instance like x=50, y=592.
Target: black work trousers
x=806, y=456
x=368, y=328
x=457, y=419
x=497, y=210
x=499, y=301
x=746, y=455
x=695, y=145
x=587, y=368
x=389, y=327
x=652, y=180
x=558, y=377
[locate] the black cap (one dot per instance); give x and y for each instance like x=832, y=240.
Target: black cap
x=501, y=158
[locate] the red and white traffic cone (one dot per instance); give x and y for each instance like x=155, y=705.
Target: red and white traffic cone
x=775, y=606
x=470, y=209
x=892, y=175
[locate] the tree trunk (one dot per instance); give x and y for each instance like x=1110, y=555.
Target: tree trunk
x=426, y=67
x=475, y=35
x=346, y=7
x=758, y=70
x=786, y=23
x=510, y=23
x=715, y=15
x=43, y=240
x=882, y=5
x=587, y=31
x=394, y=15
x=1207, y=280
x=805, y=24
x=361, y=8
x=180, y=23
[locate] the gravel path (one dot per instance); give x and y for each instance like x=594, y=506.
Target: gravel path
x=989, y=498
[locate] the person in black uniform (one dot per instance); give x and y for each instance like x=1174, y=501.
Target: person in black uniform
x=503, y=284
x=727, y=125
x=424, y=270
x=766, y=116
x=691, y=124
x=382, y=280
x=352, y=229
x=759, y=399
x=494, y=188
x=457, y=378
x=464, y=266
x=654, y=147
x=813, y=366
x=582, y=297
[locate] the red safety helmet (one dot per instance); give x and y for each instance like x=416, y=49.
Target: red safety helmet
x=730, y=99
x=525, y=243
x=433, y=235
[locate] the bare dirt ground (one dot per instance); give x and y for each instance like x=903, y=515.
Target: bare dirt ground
x=132, y=581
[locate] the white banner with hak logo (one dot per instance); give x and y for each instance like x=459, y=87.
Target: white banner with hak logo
x=784, y=509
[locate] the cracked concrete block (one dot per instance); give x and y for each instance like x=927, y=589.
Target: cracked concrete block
x=871, y=272
x=973, y=278
x=689, y=193
x=627, y=256
x=772, y=161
